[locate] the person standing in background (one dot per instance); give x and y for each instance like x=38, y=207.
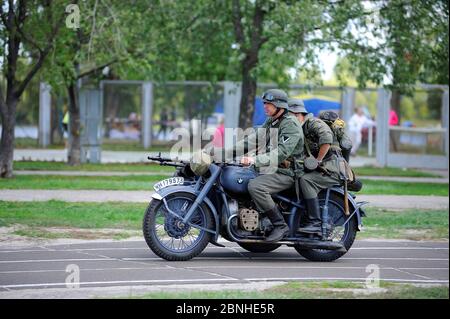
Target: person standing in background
x=218, y=139
x=355, y=125
x=393, y=118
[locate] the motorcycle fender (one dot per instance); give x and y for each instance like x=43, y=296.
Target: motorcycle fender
x=351, y=203
x=189, y=189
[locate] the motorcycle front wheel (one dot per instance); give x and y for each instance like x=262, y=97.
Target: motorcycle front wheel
x=167, y=236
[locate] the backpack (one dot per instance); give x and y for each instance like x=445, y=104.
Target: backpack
x=337, y=126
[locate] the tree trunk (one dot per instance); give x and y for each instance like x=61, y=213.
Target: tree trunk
x=74, y=126
x=8, y=115
x=247, y=106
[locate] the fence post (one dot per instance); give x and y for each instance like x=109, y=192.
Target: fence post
x=44, y=114
x=382, y=135
x=348, y=103
x=147, y=112
x=231, y=101
x=90, y=125
x=445, y=114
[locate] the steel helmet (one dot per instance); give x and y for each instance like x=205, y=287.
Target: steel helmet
x=279, y=98
x=297, y=106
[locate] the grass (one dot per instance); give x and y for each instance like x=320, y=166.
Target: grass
x=372, y=187
x=107, y=145
x=134, y=182
x=112, y=167
x=408, y=224
x=80, y=215
x=391, y=171
x=27, y=142
x=150, y=167
x=313, y=290
x=131, y=146
x=145, y=182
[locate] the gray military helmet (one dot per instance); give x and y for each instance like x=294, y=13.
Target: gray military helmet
x=279, y=98
x=297, y=106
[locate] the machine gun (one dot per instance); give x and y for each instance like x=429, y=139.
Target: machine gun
x=167, y=161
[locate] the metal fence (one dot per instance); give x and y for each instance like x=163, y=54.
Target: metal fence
x=401, y=130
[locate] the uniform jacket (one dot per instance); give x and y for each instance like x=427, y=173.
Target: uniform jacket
x=318, y=133
x=289, y=144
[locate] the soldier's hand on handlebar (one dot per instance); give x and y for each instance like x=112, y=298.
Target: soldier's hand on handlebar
x=247, y=160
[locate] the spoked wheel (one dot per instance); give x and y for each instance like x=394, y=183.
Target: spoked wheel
x=345, y=234
x=259, y=248
x=167, y=235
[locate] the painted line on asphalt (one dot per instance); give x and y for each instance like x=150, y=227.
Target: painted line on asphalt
x=81, y=270
x=120, y=282
x=213, y=258
x=412, y=274
x=55, y=260
x=359, y=279
x=309, y=267
x=292, y=258
x=213, y=248
x=216, y=267
x=346, y=278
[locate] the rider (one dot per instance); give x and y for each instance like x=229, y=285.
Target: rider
x=289, y=145
x=319, y=142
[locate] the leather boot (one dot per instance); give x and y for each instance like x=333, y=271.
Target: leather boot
x=280, y=229
x=314, y=220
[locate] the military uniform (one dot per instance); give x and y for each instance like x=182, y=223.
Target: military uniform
x=279, y=158
x=290, y=146
x=318, y=133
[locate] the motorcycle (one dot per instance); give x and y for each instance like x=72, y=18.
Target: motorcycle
x=187, y=212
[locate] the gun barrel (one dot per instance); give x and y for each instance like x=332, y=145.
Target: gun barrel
x=159, y=159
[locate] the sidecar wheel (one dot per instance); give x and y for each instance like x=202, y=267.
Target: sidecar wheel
x=168, y=237
x=259, y=248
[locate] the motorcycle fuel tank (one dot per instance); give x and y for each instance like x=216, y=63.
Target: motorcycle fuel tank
x=235, y=179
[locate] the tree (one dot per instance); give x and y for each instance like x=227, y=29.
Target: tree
x=408, y=44
x=82, y=53
x=18, y=19
x=247, y=41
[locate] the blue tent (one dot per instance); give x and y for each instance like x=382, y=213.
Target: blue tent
x=312, y=105
x=316, y=106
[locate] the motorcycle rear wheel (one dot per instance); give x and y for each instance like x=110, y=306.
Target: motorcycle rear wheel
x=336, y=212
x=168, y=237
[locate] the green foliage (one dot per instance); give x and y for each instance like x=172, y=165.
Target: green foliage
x=400, y=43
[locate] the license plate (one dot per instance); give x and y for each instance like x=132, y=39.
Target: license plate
x=168, y=182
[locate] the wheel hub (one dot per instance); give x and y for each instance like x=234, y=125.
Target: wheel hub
x=175, y=227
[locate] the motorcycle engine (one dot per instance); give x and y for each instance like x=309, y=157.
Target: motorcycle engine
x=249, y=219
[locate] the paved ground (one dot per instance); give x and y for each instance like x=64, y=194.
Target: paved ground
x=381, y=201
x=42, y=271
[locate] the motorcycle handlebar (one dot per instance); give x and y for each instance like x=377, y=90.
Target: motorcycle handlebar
x=166, y=161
